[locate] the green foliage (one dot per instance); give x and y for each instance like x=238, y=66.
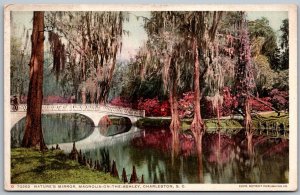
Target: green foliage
x=53, y=85
x=229, y=23
x=151, y=88
x=147, y=76
x=266, y=77
x=19, y=68
x=146, y=73
x=262, y=28
x=266, y=56
x=128, y=83
x=282, y=80
x=285, y=44
x=32, y=166
x=120, y=80
x=167, y=49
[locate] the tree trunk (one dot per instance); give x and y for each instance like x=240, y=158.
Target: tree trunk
x=248, y=119
x=83, y=95
x=218, y=115
x=175, y=122
x=248, y=125
x=33, y=136
x=197, y=125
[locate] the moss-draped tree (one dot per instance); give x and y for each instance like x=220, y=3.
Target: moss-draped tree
x=166, y=50
x=92, y=41
x=244, y=75
x=200, y=30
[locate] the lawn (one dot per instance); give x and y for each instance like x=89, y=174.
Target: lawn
x=31, y=166
x=270, y=118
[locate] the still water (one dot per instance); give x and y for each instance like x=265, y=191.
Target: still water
x=56, y=129
x=223, y=159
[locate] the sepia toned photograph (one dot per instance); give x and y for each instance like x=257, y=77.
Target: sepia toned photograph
x=150, y=97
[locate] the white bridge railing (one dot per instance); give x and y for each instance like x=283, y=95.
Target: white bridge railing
x=83, y=107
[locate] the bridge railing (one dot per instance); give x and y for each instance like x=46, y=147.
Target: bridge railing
x=18, y=108
x=85, y=107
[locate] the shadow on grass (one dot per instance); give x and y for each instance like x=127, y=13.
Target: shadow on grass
x=39, y=164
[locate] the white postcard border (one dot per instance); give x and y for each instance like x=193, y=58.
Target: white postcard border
x=292, y=13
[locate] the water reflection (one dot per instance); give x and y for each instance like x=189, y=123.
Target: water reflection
x=221, y=159
x=250, y=147
x=97, y=141
x=112, y=130
x=56, y=129
x=175, y=144
x=200, y=164
x=112, y=125
x=166, y=157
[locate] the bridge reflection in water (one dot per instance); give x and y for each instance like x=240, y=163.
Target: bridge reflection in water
x=93, y=111
x=97, y=140
x=224, y=158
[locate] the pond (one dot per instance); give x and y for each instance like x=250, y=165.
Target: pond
x=56, y=129
x=224, y=158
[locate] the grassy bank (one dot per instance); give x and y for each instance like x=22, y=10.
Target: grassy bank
x=270, y=117
x=32, y=166
x=186, y=123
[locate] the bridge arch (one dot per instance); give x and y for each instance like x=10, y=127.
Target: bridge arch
x=16, y=118
x=93, y=111
x=115, y=119
x=111, y=125
x=97, y=116
x=19, y=116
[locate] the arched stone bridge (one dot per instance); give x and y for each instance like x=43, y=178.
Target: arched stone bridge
x=93, y=111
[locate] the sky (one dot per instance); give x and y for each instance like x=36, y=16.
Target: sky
x=137, y=34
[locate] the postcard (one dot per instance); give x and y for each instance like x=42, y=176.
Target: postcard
x=154, y=97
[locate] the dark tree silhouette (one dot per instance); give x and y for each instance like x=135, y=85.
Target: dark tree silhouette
x=244, y=80
x=284, y=28
x=33, y=136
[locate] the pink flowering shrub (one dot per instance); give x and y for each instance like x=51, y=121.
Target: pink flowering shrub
x=153, y=107
x=279, y=99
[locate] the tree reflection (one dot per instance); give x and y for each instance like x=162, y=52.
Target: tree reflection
x=175, y=145
x=164, y=157
x=112, y=130
x=57, y=128
x=200, y=160
x=250, y=147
